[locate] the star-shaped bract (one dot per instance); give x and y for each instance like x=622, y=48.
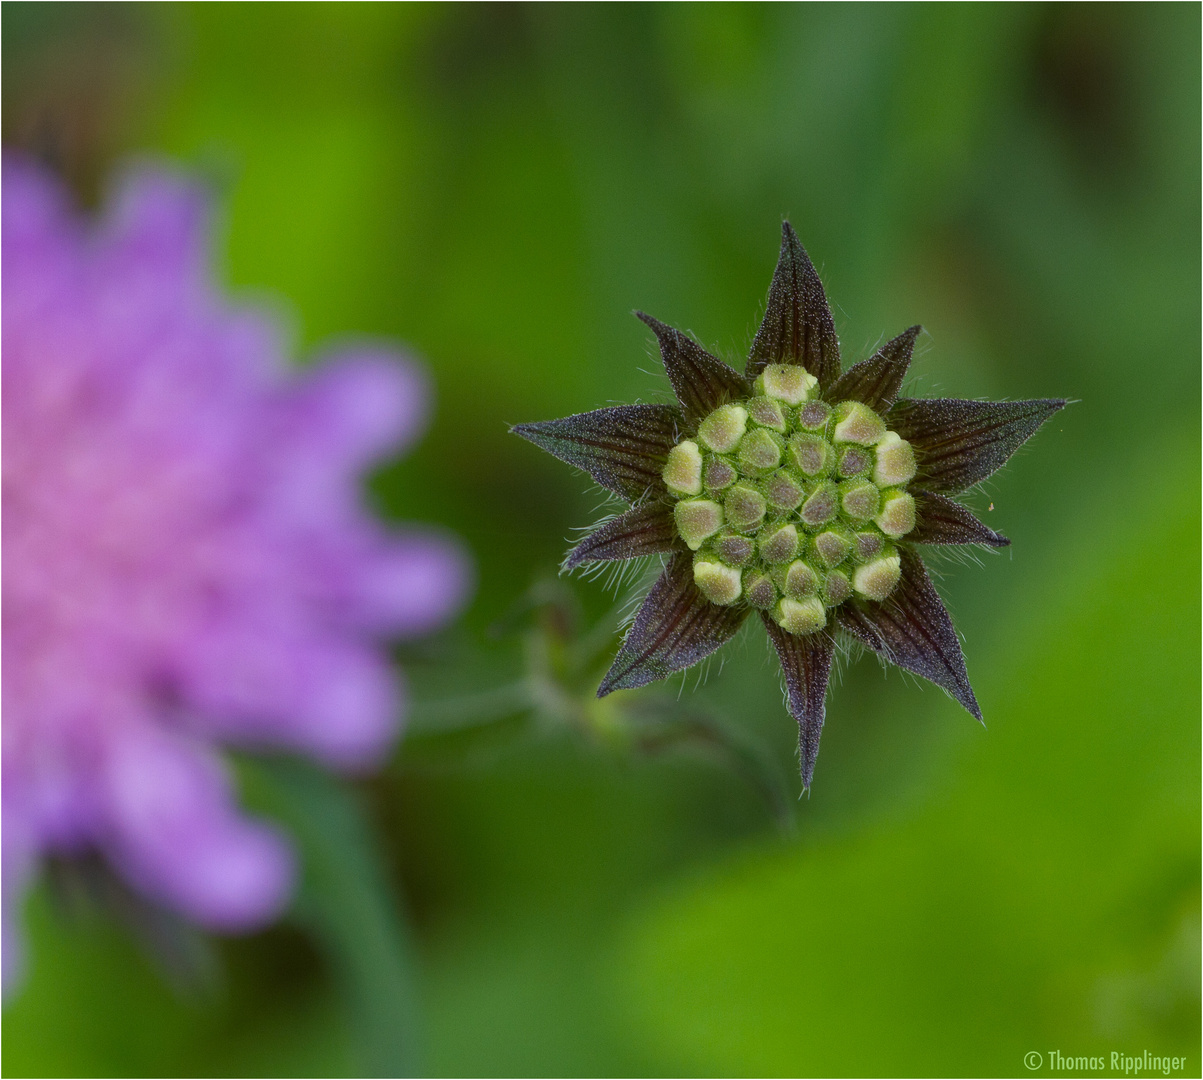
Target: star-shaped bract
x=753, y=430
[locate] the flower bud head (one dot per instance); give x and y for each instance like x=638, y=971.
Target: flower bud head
x=767, y=413
x=821, y=507
x=857, y=423
x=811, y=453
x=745, y=508
x=696, y=520
x=860, y=499
x=877, y=579
x=683, y=472
x=895, y=461
x=723, y=428
x=779, y=545
x=718, y=583
x=790, y=383
x=832, y=547
x=759, y=589
x=897, y=516
x=719, y=474
x=800, y=616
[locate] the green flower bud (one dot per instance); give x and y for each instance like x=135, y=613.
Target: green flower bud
x=895, y=461
x=812, y=454
x=790, y=383
x=718, y=583
x=832, y=547
x=683, y=473
x=759, y=589
x=800, y=616
x=760, y=452
x=836, y=589
x=719, y=474
x=868, y=545
x=779, y=545
x=800, y=581
x=855, y=461
x=723, y=428
x=821, y=507
x=735, y=550
x=783, y=491
x=767, y=413
x=744, y=508
x=857, y=423
x=877, y=579
x=696, y=520
x=860, y=499
x=813, y=416
x=897, y=516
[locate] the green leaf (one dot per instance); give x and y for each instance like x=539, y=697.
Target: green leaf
x=347, y=904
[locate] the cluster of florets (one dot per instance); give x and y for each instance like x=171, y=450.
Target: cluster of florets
x=790, y=504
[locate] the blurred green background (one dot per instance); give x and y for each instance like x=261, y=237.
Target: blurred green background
x=498, y=187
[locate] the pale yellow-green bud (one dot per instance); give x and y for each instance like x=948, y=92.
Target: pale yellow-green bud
x=783, y=491
x=857, y=423
x=877, y=579
x=833, y=547
x=723, y=428
x=760, y=452
x=837, y=588
x=811, y=454
x=800, y=581
x=895, y=461
x=719, y=474
x=767, y=413
x=735, y=550
x=683, y=472
x=718, y=583
x=745, y=508
x=790, y=383
x=868, y=544
x=854, y=461
x=759, y=589
x=860, y=499
x=696, y=520
x=780, y=545
x=822, y=505
x=814, y=415
x=800, y=616
x=897, y=516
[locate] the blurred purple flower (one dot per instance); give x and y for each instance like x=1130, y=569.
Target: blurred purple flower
x=187, y=560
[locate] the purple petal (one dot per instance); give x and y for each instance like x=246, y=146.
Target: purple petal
x=644, y=530
x=172, y=828
x=876, y=381
x=912, y=629
x=797, y=327
x=158, y=225
x=623, y=448
x=701, y=382
x=941, y=521
x=363, y=402
x=412, y=586
x=960, y=443
x=674, y=629
x=335, y=699
x=806, y=662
